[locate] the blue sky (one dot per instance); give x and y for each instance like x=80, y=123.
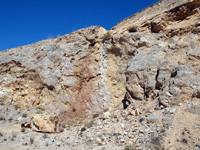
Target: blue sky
x=24, y=22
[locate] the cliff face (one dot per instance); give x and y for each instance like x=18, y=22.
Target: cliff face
x=154, y=73
x=67, y=71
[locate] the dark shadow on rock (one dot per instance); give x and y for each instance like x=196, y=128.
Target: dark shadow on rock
x=125, y=102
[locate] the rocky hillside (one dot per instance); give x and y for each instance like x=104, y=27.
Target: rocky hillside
x=136, y=86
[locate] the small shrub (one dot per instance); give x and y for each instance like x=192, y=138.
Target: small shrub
x=132, y=28
x=156, y=143
x=1, y=134
x=38, y=112
x=105, y=110
x=61, y=129
x=74, y=109
x=83, y=129
x=24, y=115
x=31, y=140
x=13, y=137
x=16, y=107
x=45, y=136
x=95, y=115
x=106, y=36
x=130, y=148
x=2, y=118
x=156, y=147
x=141, y=119
x=23, y=129
x=184, y=141
x=90, y=124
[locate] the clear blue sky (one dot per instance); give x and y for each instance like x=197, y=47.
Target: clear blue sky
x=24, y=22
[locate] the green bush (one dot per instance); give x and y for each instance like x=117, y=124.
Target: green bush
x=23, y=129
x=106, y=36
x=132, y=28
x=38, y=112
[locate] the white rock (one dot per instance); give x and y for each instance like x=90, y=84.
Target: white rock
x=106, y=115
x=50, y=141
x=172, y=110
x=58, y=143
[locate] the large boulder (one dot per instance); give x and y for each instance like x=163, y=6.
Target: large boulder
x=44, y=123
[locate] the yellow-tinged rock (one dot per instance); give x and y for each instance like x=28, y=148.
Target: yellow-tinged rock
x=44, y=123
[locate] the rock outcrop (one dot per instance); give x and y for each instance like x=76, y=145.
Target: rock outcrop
x=67, y=70
x=44, y=123
x=141, y=88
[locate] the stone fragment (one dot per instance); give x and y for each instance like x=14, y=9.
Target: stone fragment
x=24, y=144
x=50, y=141
x=171, y=110
x=137, y=112
x=44, y=123
x=58, y=143
x=193, y=108
x=151, y=118
x=133, y=113
x=106, y=115
x=158, y=25
x=198, y=145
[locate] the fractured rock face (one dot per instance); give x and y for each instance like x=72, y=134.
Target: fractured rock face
x=84, y=73
x=154, y=73
x=65, y=71
x=159, y=72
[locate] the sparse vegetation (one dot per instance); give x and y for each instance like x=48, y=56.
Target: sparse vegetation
x=23, y=129
x=156, y=147
x=45, y=136
x=24, y=115
x=105, y=110
x=95, y=115
x=1, y=134
x=83, y=129
x=73, y=109
x=132, y=28
x=184, y=141
x=106, y=36
x=156, y=143
x=90, y=124
x=31, y=140
x=2, y=118
x=130, y=148
x=13, y=137
x=16, y=107
x=38, y=112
